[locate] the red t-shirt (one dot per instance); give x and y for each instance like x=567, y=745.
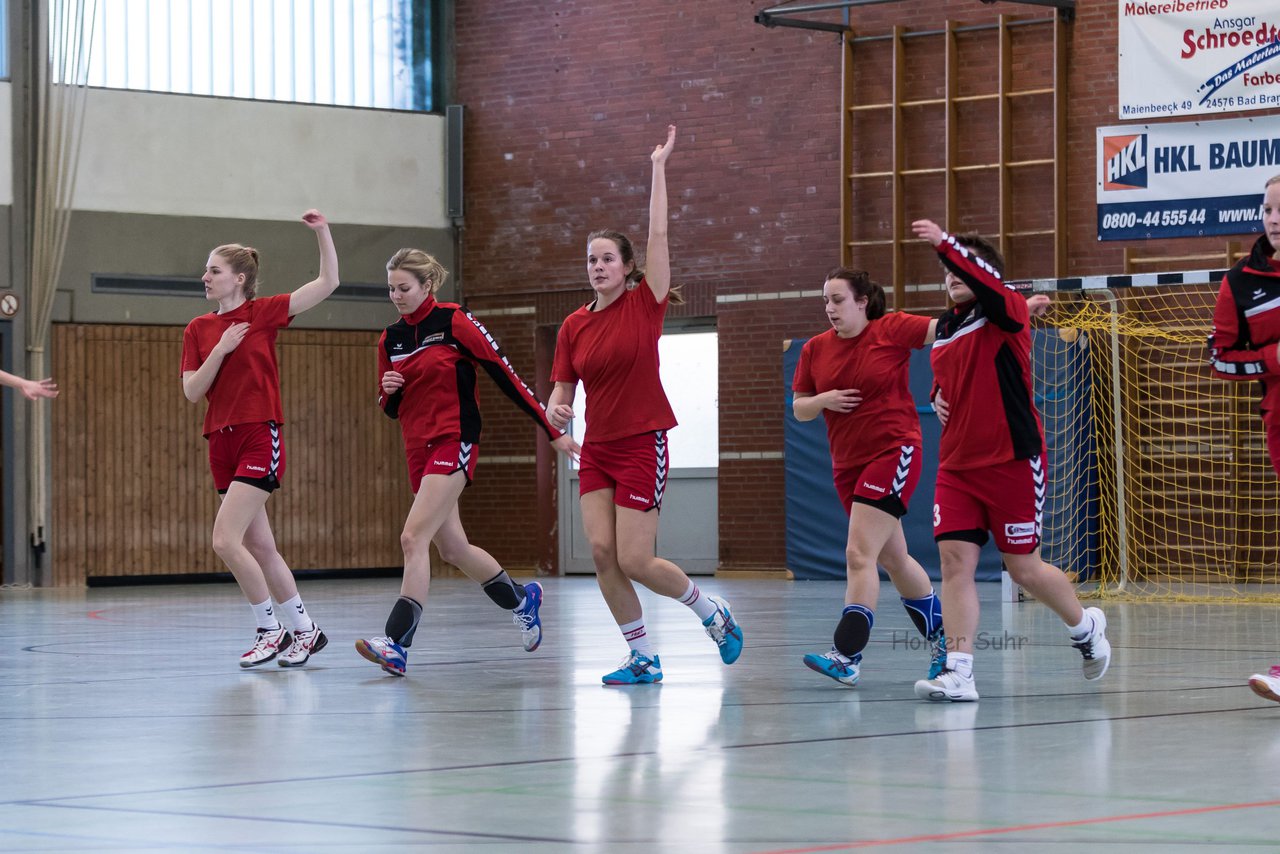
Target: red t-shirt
x=615, y=354
x=875, y=363
x=247, y=388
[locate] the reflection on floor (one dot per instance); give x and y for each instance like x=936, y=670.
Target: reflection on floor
x=127, y=726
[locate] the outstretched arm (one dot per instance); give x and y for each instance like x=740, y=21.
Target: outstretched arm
x=31, y=389
x=314, y=292
x=475, y=342
x=657, y=259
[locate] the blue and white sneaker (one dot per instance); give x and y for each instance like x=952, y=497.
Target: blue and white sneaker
x=836, y=665
x=937, y=653
x=722, y=629
x=526, y=616
x=385, y=652
x=635, y=669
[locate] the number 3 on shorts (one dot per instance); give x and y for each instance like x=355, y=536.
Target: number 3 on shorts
x=937, y=515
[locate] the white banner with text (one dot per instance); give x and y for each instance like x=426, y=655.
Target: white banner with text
x=1188, y=57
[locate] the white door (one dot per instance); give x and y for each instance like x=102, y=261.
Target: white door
x=689, y=529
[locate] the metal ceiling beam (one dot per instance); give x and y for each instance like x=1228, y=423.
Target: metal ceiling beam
x=782, y=15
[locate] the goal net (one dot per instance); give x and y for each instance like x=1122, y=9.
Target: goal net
x=1160, y=483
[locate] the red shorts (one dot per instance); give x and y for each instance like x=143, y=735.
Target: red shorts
x=635, y=468
x=442, y=458
x=1007, y=500
x=886, y=483
x=249, y=453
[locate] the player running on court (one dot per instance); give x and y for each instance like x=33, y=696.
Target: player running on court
x=611, y=345
x=427, y=364
x=991, y=469
x=229, y=356
x=856, y=376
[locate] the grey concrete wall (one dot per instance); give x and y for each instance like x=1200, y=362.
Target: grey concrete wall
x=138, y=244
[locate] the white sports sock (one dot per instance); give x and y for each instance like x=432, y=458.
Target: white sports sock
x=961, y=662
x=265, y=615
x=699, y=604
x=1080, y=631
x=296, y=615
x=636, y=637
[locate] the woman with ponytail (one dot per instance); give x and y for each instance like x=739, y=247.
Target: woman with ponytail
x=229, y=356
x=611, y=345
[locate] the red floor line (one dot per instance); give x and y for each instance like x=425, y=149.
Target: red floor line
x=97, y=615
x=1021, y=828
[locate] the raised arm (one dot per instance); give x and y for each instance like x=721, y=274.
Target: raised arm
x=314, y=292
x=31, y=389
x=1005, y=307
x=657, y=257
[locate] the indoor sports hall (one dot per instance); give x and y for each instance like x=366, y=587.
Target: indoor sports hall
x=1116, y=154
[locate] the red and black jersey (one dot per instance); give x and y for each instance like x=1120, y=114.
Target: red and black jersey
x=614, y=352
x=875, y=363
x=982, y=365
x=247, y=387
x=436, y=349
x=1246, y=325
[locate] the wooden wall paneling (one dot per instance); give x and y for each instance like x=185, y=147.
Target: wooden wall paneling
x=66, y=549
x=349, y=483
x=352, y=484
x=132, y=491
x=100, y=470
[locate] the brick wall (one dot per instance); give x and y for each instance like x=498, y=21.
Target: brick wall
x=566, y=99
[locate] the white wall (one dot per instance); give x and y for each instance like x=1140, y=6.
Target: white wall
x=183, y=155
x=6, y=145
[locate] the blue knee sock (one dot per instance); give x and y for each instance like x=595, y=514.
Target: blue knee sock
x=925, y=612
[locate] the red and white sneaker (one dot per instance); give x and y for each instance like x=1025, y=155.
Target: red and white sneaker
x=305, y=644
x=1267, y=686
x=266, y=646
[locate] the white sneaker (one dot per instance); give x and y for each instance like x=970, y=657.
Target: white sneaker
x=266, y=645
x=949, y=685
x=1094, y=646
x=305, y=644
x=1267, y=685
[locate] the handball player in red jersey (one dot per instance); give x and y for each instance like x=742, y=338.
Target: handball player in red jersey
x=229, y=356
x=611, y=345
x=1245, y=345
x=856, y=376
x=991, y=468
x=427, y=364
